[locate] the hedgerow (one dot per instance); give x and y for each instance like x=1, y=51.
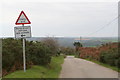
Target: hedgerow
x=37, y=53
x=107, y=53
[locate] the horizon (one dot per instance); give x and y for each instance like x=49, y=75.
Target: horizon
x=62, y=37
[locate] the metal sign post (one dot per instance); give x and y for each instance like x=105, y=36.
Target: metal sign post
x=24, y=59
x=23, y=32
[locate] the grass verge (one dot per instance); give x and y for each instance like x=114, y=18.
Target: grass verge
x=105, y=65
x=40, y=71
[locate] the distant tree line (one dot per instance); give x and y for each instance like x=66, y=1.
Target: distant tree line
x=37, y=53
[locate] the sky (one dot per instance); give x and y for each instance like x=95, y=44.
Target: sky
x=62, y=18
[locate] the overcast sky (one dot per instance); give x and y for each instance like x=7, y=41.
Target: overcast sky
x=61, y=18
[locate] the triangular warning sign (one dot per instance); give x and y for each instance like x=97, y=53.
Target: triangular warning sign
x=22, y=19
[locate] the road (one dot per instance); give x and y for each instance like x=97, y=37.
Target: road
x=79, y=68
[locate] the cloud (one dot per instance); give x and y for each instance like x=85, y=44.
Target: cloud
x=61, y=18
x=9, y=1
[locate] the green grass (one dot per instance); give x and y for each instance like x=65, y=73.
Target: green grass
x=40, y=71
x=105, y=65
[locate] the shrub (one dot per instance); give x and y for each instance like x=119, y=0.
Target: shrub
x=12, y=55
x=107, y=53
x=110, y=57
x=52, y=44
x=12, y=50
x=67, y=51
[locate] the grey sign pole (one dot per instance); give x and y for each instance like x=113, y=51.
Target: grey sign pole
x=23, y=32
x=24, y=59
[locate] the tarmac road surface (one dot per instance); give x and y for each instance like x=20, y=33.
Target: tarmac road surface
x=79, y=68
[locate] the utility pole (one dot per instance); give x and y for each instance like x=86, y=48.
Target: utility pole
x=80, y=38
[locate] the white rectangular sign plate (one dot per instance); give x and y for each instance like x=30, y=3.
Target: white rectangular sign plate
x=22, y=31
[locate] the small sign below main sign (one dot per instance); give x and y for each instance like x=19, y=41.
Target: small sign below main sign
x=22, y=31
x=22, y=19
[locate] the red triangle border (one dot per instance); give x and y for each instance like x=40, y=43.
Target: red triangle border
x=19, y=18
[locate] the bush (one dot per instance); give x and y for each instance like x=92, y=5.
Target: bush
x=40, y=54
x=107, y=53
x=12, y=54
x=52, y=44
x=118, y=62
x=12, y=50
x=67, y=51
x=110, y=57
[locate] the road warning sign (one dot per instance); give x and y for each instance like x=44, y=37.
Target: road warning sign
x=22, y=32
x=22, y=19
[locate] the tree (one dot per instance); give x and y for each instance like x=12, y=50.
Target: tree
x=52, y=44
x=77, y=45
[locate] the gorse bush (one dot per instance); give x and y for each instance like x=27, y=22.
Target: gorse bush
x=110, y=57
x=37, y=53
x=110, y=54
x=11, y=56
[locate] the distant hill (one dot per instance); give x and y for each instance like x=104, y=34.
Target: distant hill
x=87, y=41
